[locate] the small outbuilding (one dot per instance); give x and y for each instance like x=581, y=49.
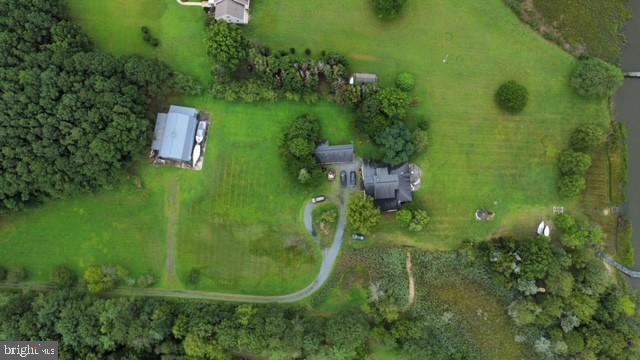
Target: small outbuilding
x=335, y=154
x=362, y=78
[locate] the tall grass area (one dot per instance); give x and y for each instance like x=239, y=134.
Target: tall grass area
x=478, y=156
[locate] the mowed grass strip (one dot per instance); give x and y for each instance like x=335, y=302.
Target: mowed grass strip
x=460, y=51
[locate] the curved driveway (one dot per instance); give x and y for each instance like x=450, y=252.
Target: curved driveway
x=329, y=257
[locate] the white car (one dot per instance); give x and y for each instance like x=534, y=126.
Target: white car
x=318, y=199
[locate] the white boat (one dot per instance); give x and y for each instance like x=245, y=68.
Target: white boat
x=196, y=154
x=541, y=228
x=547, y=231
x=200, y=132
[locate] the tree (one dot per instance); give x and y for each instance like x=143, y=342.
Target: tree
x=574, y=163
x=388, y=9
x=17, y=274
x=226, y=45
x=512, y=97
x=393, y=102
x=406, y=81
x=98, y=279
x=595, y=78
x=362, y=214
x=300, y=147
x=304, y=176
x=62, y=277
x=297, y=147
x=397, y=144
x=571, y=186
x=3, y=273
x=523, y=312
x=587, y=137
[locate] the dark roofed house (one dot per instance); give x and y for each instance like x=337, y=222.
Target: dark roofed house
x=174, y=136
x=390, y=188
x=336, y=154
x=361, y=78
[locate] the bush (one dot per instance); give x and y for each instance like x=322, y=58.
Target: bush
x=512, y=97
x=406, y=81
x=404, y=216
x=587, y=138
x=420, y=220
x=595, y=78
x=103, y=278
x=388, y=9
x=193, y=277
x=154, y=42
x=574, y=163
x=3, y=273
x=571, y=186
x=307, y=52
x=145, y=30
x=62, y=277
x=18, y=274
x=145, y=281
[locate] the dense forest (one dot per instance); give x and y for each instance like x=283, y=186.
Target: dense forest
x=70, y=116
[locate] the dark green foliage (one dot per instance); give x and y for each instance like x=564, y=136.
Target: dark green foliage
x=397, y=144
x=71, y=117
x=292, y=51
x=578, y=234
x=307, y=52
x=297, y=146
x=574, y=163
x=17, y=274
x=227, y=47
x=193, y=278
x=3, y=273
x=587, y=137
x=388, y=9
x=393, y=103
x=512, y=97
x=414, y=220
x=594, y=78
x=406, y=81
x=571, y=186
x=148, y=37
x=63, y=277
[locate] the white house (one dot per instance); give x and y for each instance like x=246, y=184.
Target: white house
x=231, y=11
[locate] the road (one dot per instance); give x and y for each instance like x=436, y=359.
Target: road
x=329, y=257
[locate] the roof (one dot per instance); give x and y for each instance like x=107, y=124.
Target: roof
x=174, y=136
x=236, y=9
x=389, y=187
x=362, y=78
x=335, y=154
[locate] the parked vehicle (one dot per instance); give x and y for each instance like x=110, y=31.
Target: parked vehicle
x=358, y=237
x=343, y=178
x=318, y=199
x=352, y=178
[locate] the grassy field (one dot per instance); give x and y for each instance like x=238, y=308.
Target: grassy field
x=478, y=156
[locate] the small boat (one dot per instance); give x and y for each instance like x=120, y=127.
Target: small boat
x=200, y=132
x=547, y=231
x=541, y=228
x=196, y=154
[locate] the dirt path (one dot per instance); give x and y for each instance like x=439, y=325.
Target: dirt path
x=172, y=228
x=412, y=282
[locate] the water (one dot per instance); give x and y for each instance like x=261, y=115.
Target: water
x=627, y=109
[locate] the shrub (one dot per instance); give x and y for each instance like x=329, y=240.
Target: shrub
x=193, y=277
x=512, y=97
x=595, y=78
x=420, y=220
x=62, y=277
x=307, y=52
x=571, y=186
x=103, y=278
x=574, y=163
x=145, y=281
x=393, y=102
x=587, y=138
x=406, y=81
x=404, y=216
x=420, y=140
x=3, y=273
x=144, y=29
x=226, y=45
x=154, y=42
x=17, y=274
x=388, y=9
x=292, y=51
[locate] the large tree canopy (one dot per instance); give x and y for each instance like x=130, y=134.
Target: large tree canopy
x=70, y=117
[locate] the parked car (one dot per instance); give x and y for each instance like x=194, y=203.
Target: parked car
x=343, y=178
x=352, y=178
x=358, y=237
x=318, y=199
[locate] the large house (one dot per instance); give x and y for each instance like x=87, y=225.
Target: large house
x=336, y=154
x=390, y=188
x=231, y=11
x=175, y=134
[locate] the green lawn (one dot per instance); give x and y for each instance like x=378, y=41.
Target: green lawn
x=478, y=156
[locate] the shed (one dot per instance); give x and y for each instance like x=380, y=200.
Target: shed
x=174, y=135
x=362, y=78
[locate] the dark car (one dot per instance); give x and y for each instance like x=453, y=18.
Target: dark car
x=358, y=237
x=352, y=178
x=343, y=178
